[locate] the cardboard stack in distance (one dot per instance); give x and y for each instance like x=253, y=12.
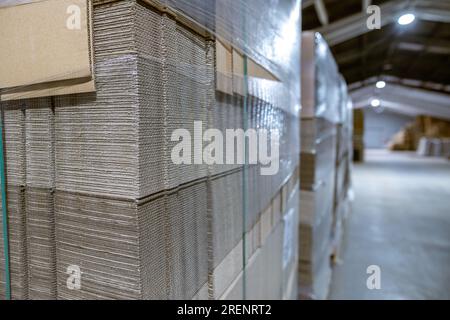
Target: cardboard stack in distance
x=93, y=184
x=428, y=135
x=320, y=99
x=358, y=135
x=342, y=188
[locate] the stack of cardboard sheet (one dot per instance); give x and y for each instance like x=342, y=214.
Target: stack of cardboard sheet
x=17, y=245
x=432, y=147
x=14, y=132
x=153, y=249
x=92, y=186
x=434, y=130
x=358, y=135
x=433, y=127
x=316, y=217
x=406, y=139
x=320, y=99
x=129, y=123
x=271, y=252
x=315, y=157
x=247, y=197
x=342, y=196
x=40, y=183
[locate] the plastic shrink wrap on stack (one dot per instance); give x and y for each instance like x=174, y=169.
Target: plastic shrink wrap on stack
x=321, y=92
x=92, y=186
x=342, y=189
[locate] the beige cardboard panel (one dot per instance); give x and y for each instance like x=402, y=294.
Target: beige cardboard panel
x=257, y=71
x=308, y=75
x=238, y=73
x=224, y=67
x=46, y=90
x=224, y=59
x=253, y=70
x=37, y=46
x=238, y=63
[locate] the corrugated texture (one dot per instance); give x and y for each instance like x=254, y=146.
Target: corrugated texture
x=101, y=237
x=40, y=140
x=226, y=214
x=17, y=245
x=191, y=85
x=39, y=202
x=317, y=169
x=100, y=190
x=152, y=112
x=157, y=250
x=96, y=134
x=41, y=246
x=187, y=242
x=15, y=156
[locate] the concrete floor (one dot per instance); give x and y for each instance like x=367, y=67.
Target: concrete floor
x=400, y=222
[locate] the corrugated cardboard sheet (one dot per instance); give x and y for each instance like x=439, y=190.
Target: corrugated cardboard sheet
x=94, y=184
x=42, y=53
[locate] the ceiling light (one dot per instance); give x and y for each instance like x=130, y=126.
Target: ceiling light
x=381, y=84
x=375, y=103
x=406, y=19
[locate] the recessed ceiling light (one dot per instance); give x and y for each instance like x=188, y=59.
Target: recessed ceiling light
x=381, y=84
x=406, y=19
x=375, y=103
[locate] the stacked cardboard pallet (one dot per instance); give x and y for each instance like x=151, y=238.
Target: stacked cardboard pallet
x=320, y=100
x=342, y=187
x=92, y=185
x=358, y=135
x=271, y=248
x=432, y=127
x=434, y=147
x=428, y=135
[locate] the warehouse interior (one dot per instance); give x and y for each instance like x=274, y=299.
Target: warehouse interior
x=400, y=218
x=225, y=150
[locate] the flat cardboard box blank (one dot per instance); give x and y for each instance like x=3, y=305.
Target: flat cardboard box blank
x=224, y=61
x=308, y=75
x=37, y=46
x=57, y=88
x=238, y=73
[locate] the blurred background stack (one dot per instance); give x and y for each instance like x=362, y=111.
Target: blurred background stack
x=322, y=104
x=343, y=170
x=358, y=135
x=429, y=136
x=393, y=55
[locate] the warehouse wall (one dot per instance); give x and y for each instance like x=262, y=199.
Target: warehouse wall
x=380, y=127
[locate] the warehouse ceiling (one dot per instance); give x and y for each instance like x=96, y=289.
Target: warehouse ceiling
x=403, y=99
x=416, y=55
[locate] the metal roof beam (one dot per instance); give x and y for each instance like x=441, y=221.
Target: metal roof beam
x=365, y=4
x=307, y=3
x=321, y=11
x=404, y=99
x=355, y=25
